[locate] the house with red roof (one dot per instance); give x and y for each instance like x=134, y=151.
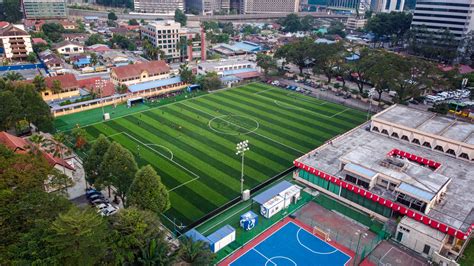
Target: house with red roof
x=69, y=87
x=140, y=72
x=93, y=85
x=14, y=143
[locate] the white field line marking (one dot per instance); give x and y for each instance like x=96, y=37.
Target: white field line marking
x=238, y=211
x=164, y=156
x=306, y=100
x=258, y=92
x=268, y=260
x=164, y=147
x=347, y=109
x=108, y=136
x=302, y=109
x=280, y=257
x=315, y=252
x=381, y=259
x=244, y=128
x=157, y=107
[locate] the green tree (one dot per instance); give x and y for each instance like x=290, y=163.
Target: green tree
x=195, y=252
x=53, y=31
x=94, y=159
x=291, y=23
x=156, y=252
x=298, y=52
x=9, y=110
x=13, y=76
x=56, y=87
x=37, y=141
x=147, y=192
x=266, y=62
x=381, y=72
x=132, y=229
x=94, y=39
x=186, y=74
x=307, y=23
x=133, y=22
x=118, y=169
x=337, y=27
x=11, y=11
x=31, y=57
x=112, y=16
x=180, y=17
x=327, y=57
x=33, y=108
x=360, y=67
x=210, y=81
x=78, y=237
x=39, y=83
x=79, y=135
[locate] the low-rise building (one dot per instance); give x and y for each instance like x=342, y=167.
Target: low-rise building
x=51, y=60
x=15, y=42
x=405, y=164
x=355, y=23
x=230, y=71
x=140, y=72
x=68, y=48
x=69, y=87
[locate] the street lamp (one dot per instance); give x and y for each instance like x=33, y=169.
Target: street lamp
x=100, y=84
x=241, y=148
x=360, y=234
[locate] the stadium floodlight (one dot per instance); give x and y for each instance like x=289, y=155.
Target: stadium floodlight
x=241, y=148
x=361, y=235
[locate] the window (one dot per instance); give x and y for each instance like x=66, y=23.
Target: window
x=404, y=137
x=426, y=249
x=376, y=129
x=416, y=141
x=384, y=131
x=464, y=155
x=395, y=134
x=439, y=148
x=426, y=144
x=451, y=151
x=351, y=179
x=399, y=236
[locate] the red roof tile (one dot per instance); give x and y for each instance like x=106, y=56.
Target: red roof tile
x=129, y=71
x=14, y=143
x=67, y=81
x=90, y=85
x=248, y=75
x=3, y=24
x=56, y=160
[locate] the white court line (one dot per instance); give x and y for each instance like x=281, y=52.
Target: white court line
x=315, y=252
x=268, y=260
x=280, y=257
x=178, y=164
x=381, y=259
x=202, y=111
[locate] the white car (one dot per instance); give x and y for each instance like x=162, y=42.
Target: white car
x=102, y=206
x=110, y=210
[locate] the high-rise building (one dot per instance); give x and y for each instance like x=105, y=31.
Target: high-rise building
x=178, y=44
x=158, y=6
x=438, y=15
x=207, y=6
x=44, y=9
x=269, y=6
x=15, y=42
x=387, y=6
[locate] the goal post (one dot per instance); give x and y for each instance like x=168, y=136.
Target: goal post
x=321, y=233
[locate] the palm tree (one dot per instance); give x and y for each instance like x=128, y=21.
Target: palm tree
x=57, y=148
x=13, y=76
x=195, y=252
x=156, y=253
x=39, y=83
x=38, y=141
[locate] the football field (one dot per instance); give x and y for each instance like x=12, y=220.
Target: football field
x=191, y=143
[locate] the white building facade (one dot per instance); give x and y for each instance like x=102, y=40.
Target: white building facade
x=269, y=6
x=438, y=15
x=158, y=6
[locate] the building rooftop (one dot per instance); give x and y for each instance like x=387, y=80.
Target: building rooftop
x=214, y=64
x=427, y=122
x=152, y=67
x=153, y=84
x=367, y=149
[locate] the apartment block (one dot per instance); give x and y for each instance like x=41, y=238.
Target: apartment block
x=44, y=9
x=15, y=42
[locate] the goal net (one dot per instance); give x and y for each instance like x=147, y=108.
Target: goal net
x=321, y=233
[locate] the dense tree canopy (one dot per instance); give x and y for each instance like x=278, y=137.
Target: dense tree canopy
x=180, y=17
x=147, y=192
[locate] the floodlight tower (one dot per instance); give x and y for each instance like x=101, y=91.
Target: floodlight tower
x=241, y=148
x=100, y=84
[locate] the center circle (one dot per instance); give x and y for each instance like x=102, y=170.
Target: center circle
x=233, y=124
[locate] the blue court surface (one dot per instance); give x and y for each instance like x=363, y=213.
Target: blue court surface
x=292, y=245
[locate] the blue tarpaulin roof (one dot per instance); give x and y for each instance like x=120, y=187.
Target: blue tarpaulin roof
x=221, y=233
x=360, y=170
x=270, y=193
x=153, y=84
x=414, y=191
x=82, y=61
x=238, y=71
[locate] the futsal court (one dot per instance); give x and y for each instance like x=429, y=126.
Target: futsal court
x=289, y=243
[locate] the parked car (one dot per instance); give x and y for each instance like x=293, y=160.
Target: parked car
x=347, y=96
x=98, y=201
x=111, y=210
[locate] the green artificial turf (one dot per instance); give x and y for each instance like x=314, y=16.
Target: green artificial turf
x=191, y=143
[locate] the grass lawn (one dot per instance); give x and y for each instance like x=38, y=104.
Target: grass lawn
x=191, y=143
x=468, y=255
